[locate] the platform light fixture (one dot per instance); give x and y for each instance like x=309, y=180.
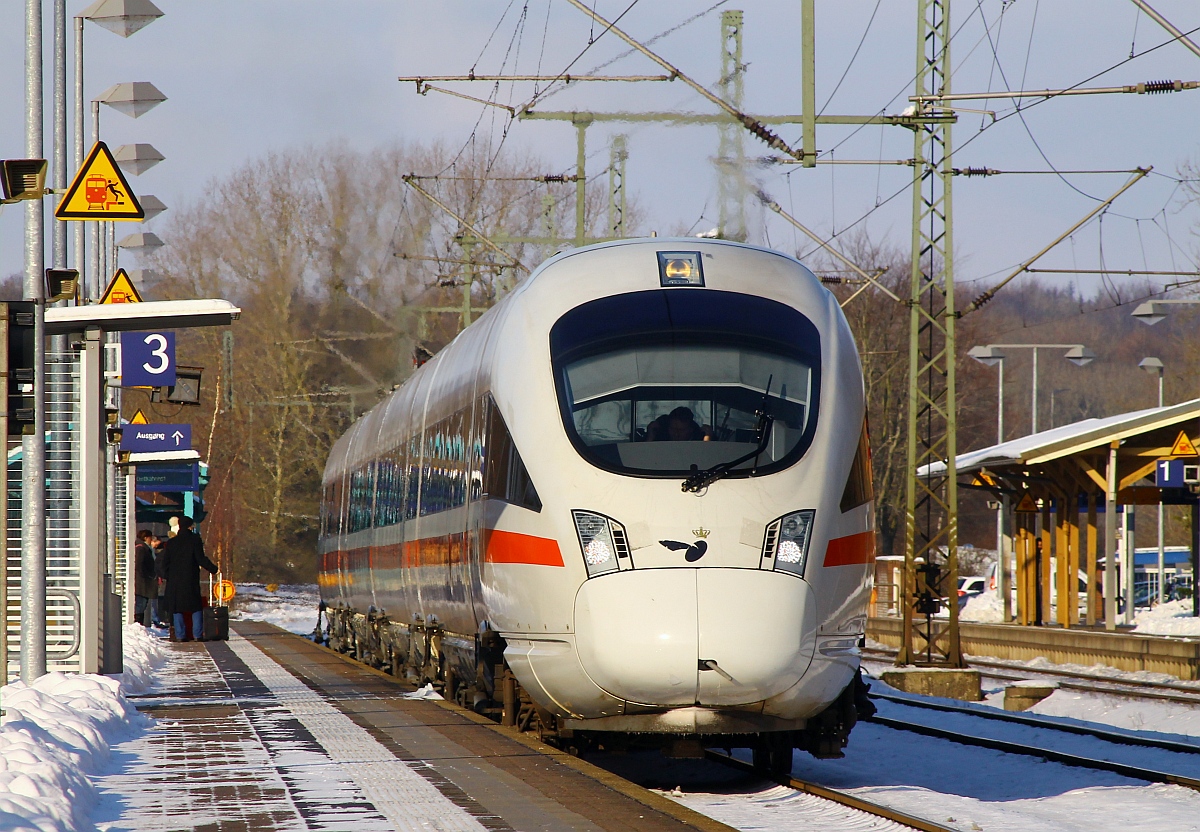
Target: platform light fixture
x=137, y=158
x=143, y=242
x=133, y=98
x=1080, y=355
x=122, y=17
x=1152, y=311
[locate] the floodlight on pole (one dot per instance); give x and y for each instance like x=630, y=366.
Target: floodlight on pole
x=1077, y=354
x=134, y=99
x=22, y=179
x=989, y=356
x=122, y=17
x=152, y=206
x=142, y=242
x=1152, y=311
x=1080, y=355
x=137, y=158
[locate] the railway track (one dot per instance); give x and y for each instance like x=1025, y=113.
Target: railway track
x=984, y=712
x=842, y=798
x=1049, y=754
x=1179, y=692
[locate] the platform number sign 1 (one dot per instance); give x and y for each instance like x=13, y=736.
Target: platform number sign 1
x=147, y=359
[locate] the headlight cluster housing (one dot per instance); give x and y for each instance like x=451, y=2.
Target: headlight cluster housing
x=785, y=547
x=603, y=542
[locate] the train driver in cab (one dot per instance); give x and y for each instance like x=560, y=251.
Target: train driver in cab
x=677, y=426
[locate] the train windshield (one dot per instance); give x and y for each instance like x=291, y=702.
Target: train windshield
x=673, y=381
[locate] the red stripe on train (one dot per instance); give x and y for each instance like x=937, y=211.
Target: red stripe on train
x=512, y=547
x=852, y=549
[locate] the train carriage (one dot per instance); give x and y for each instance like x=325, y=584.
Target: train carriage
x=639, y=487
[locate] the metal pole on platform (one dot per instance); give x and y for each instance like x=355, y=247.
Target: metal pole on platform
x=33, y=517
x=1110, y=542
x=80, y=255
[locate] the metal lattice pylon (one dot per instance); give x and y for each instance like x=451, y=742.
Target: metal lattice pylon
x=931, y=516
x=731, y=145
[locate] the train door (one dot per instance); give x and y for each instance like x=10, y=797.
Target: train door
x=475, y=528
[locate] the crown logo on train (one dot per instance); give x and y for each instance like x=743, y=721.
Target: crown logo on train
x=701, y=532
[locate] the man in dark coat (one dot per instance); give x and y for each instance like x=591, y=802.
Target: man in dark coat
x=183, y=556
x=145, y=578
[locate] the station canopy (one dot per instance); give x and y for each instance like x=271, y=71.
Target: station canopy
x=1073, y=459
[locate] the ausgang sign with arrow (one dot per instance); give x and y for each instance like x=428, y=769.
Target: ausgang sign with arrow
x=142, y=439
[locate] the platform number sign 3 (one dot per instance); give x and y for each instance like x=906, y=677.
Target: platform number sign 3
x=147, y=359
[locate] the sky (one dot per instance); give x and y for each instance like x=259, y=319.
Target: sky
x=244, y=79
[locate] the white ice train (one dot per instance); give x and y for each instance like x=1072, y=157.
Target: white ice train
x=640, y=487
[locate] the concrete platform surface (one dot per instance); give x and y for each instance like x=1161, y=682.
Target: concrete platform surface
x=269, y=731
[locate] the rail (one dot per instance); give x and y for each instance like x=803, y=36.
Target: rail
x=833, y=795
x=1048, y=754
x=1188, y=694
x=985, y=712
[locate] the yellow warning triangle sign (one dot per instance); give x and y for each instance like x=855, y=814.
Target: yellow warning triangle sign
x=100, y=191
x=121, y=290
x=139, y=418
x=1027, y=503
x=1184, y=446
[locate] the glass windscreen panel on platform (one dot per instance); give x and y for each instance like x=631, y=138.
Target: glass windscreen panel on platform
x=669, y=382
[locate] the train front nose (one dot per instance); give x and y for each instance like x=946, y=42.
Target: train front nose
x=643, y=634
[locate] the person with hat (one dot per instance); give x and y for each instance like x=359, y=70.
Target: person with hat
x=183, y=557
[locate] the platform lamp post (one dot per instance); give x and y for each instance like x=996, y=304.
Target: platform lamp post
x=1077, y=354
x=1150, y=313
x=1153, y=365
x=121, y=17
x=991, y=356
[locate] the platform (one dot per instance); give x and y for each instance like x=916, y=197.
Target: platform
x=269, y=731
x=1177, y=656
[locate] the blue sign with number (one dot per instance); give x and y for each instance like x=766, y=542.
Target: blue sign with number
x=1169, y=473
x=143, y=439
x=147, y=359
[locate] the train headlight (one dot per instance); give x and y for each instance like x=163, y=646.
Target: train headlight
x=786, y=545
x=602, y=540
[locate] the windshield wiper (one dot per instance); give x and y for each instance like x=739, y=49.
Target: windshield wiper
x=705, y=478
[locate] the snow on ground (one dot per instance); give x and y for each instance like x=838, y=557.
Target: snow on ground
x=962, y=787
x=1173, y=618
x=292, y=607
x=1142, y=715
x=58, y=730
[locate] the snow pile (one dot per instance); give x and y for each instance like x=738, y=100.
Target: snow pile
x=426, y=692
x=53, y=733
x=1173, y=618
x=986, y=608
x=143, y=655
x=292, y=607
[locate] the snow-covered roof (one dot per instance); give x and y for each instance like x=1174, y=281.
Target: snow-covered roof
x=1069, y=439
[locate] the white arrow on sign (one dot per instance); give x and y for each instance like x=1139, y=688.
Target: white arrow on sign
x=178, y=437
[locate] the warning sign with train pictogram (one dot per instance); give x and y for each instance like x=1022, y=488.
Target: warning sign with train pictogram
x=100, y=191
x=120, y=290
x=1184, y=446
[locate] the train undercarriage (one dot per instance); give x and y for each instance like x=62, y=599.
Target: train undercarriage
x=474, y=674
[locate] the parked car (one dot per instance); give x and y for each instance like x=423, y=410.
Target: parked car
x=969, y=587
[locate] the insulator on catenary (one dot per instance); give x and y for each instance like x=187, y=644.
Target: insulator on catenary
x=975, y=171
x=1152, y=87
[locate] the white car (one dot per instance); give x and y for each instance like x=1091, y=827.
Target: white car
x=969, y=587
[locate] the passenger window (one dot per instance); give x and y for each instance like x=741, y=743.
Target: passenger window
x=505, y=476
x=859, y=488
